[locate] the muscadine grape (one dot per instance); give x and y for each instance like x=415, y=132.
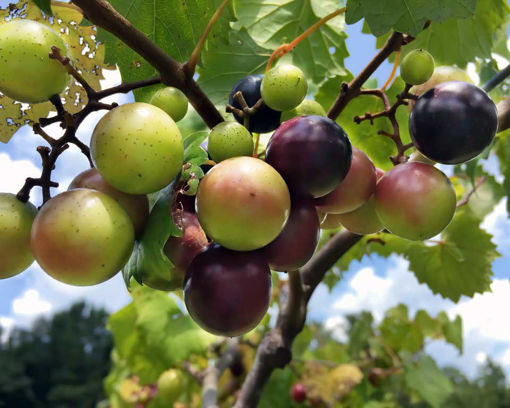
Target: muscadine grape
x=362, y=220
x=27, y=73
x=284, y=87
x=243, y=203
x=298, y=240
x=136, y=206
x=312, y=153
x=16, y=220
x=180, y=250
x=453, y=122
x=307, y=107
x=137, y=148
x=298, y=392
x=82, y=237
x=331, y=221
x=172, y=101
x=417, y=67
x=415, y=200
x=169, y=385
x=354, y=190
x=265, y=119
x=442, y=74
x=227, y=292
x=229, y=139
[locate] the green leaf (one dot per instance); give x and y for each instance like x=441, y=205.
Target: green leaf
x=359, y=334
x=428, y=381
x=452, y=330
x=406, y=16
x=467, y=38
x=274, y=22
x=276, y=393
x=460, y=264
x=226, y=61
x=148, y=257
x=399, y=332
x=44, y=5
x=174, y=26
x=152, y=334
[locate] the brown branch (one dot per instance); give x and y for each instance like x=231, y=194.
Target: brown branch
x=275, y=349
x=470, y=193
x=103, y=15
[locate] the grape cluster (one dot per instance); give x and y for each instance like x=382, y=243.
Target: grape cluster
x=250, y=215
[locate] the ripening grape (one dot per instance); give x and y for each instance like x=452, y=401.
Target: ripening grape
x=243, y=203
x=297, y=242
x=137, y=148
x=331, y=221
x=227, y=292
x=170, y=385
x=298, y=392
x=363, y=220
x=16, y=220
x=229, y=139
x=172, y=101
x=415, y=201
x=312, y=153
x=181, y=251
x=417, y=67
x=284, y=87
x=265, y=119
x=354, y=190
x=27, y=73
x=307, y=107
x=136, y=206
x=442, y=74
x=453, y=122
x=82, y=237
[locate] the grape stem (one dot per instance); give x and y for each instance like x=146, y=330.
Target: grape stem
x=497, y=79
x=470, y=193
x=393, y=71
x=246, y=111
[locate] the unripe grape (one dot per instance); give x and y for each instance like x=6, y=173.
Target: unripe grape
x=284, y=87
x=172, y=101
x=307, y=107
x=298, y=392
x=229, y=139
x=415, y=201
x=298, y=240
x=27, y=73
x=265, y=119
x=82, y=237
x=312, y=153
x=136, y=206
x=16, y=220
x=243, y=203
x=417, y=67
x=169, y=385
x=363, y=220
x=227, y=292
x=137, y=148
x=453, y=122
x=354, y=190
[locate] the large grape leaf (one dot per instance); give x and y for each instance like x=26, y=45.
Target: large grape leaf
x=152, y=334
x=406, y=16
x=87, y=56
x=273, y=22
x=175, y=26
x=466, y=38
x=428, y=381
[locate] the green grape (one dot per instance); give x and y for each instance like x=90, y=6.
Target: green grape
x=82, y=237
x=284, y=87
x=27, y=73
x=16, y=220
x=137, y=148
x=172, y=101
x=307, y=107
x=169, y=386
x=229, y=139
x=417, y=67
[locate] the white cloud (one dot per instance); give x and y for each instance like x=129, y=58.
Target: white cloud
x=30, y=304
x=497, y=223
x=14, y=172
x=6, y=324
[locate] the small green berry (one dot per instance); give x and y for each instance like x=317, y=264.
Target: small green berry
x=229, y=139
x=172, y=101
x=417, y=67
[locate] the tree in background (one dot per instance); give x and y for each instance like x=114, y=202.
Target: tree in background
x=211, y=206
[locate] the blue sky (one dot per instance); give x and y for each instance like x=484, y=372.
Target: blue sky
x=374, y=284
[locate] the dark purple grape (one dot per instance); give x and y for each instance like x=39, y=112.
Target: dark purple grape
x=312, y=153
x=453, y=122
x=227, y=292
x=297, y=242
x=265, y=119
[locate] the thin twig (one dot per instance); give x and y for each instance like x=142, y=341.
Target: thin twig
x=470, y=193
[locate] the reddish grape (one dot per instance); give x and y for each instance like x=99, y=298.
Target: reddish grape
x=363, y=220
x=227, y=292
x=298, y=392
x=312, y=153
